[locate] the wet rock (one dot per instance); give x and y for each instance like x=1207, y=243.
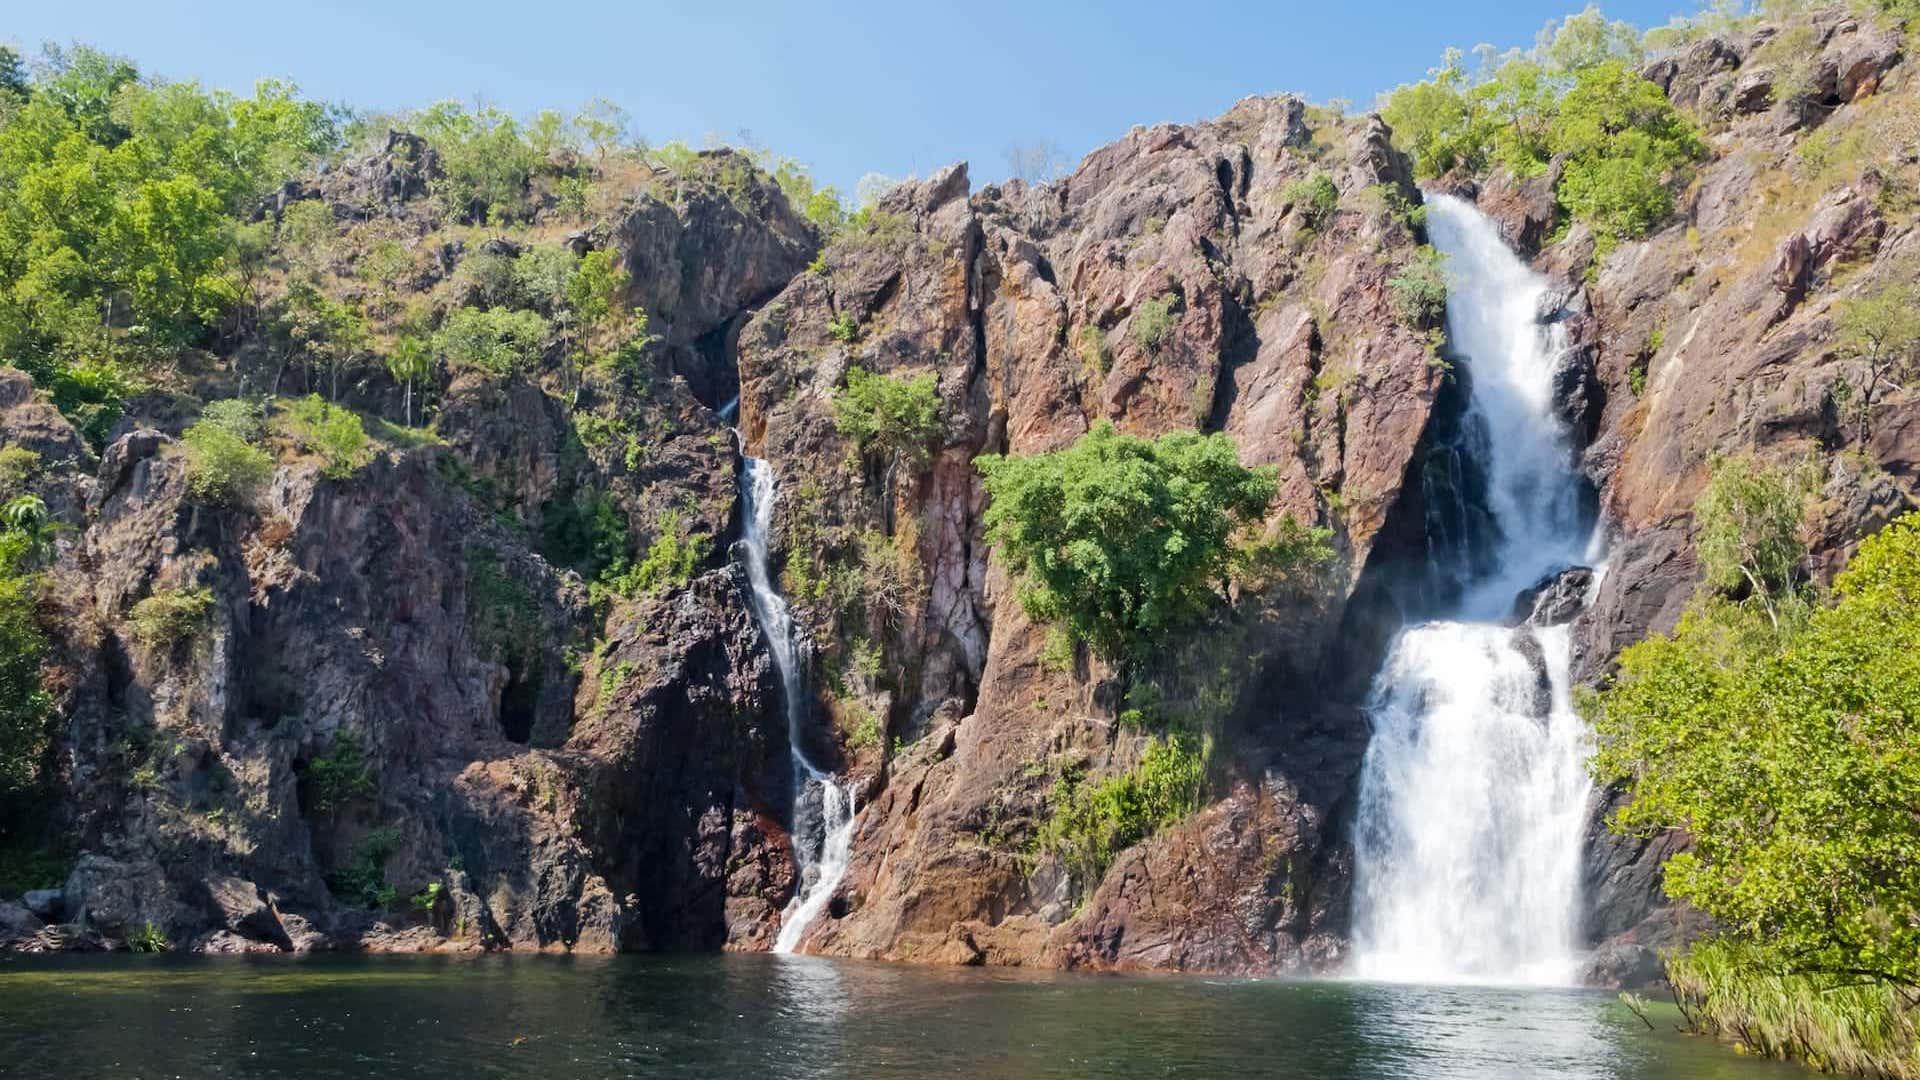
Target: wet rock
x=1578, y=398
x=1554, y=599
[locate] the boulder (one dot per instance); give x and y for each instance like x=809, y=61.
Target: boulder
x=46, y=903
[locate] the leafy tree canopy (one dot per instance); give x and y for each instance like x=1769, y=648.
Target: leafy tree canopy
x=1788, y=755
x=1122, y=540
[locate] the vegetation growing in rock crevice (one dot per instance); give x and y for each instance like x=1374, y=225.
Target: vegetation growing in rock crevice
x=1121, y=540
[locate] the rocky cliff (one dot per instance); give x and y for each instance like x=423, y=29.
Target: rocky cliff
x=405, y=721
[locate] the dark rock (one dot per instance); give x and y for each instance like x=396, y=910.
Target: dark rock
x=17, y=923
x=502, y=246
x=46, y=903
x=243, y=909
x=1554, y=599
x=1622, y=966
x=1578, y=398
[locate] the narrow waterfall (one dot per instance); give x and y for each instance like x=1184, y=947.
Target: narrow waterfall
x=822, y=808
x=1473, y=791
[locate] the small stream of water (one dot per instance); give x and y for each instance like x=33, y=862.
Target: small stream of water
x=823, y=808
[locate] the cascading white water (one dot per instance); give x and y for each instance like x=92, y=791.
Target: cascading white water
x=1473, y=793
x=823, y=809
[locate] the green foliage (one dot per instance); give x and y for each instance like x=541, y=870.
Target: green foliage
x=147, y=938
x=1153, y=322
x=26, y=534
x=485, y=161
x=224, y=468
x=1577, y=93
x=18, y=467
x=1880, y=330
x=25, y=706
x=427, y=899
x=498, y=341
x=1625, y=142
x=844, y=328
x=1420, y=288
x=338, y=777
x=889, y=416
x=169, y=617
x=118, y=201
x=1122, y=540
x=334, y=433
x=1835, y=1023
x=1748, y=529
x=1095, y=355
x=1092, y=823
x=1786, y=753
x=362, y=878
x=671, y=561
x=586, y=533
x=1315, y=198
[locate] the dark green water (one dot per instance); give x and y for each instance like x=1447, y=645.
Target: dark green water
x=78, y=1018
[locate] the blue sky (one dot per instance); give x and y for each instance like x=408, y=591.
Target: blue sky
x=898, y=87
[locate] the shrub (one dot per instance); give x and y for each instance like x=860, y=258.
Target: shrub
x=147, y=938
x=18, y=467
x=169, y=617
x=843, y=328
x=671, y=560
x=338, y=777
x=1153, y=322
x=1095, y=355
x=1420, y=288
x=1122, y=540
x=1315, y=198
x=889, y=416
x=223, y=468
x=362, y=879
x=1092, y=823
x=242, y=418
x=334, y=433
x=495, y=341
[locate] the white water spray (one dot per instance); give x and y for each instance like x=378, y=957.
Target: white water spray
x=822, y=809
x=1473, y=793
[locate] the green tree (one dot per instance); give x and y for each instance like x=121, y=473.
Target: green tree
x=335, y=433
x=1880, y=330
x=496, y=341
x=1747, y=530
x=1122, y=540
x=1625, y=143
x=891, y=417
x=1788, y=758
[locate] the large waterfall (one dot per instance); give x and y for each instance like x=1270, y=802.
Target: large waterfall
x=1473, y=793
x=822, y=808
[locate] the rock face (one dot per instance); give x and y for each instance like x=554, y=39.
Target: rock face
x=1031, y=308
x=403, y=724
x=1717, y=335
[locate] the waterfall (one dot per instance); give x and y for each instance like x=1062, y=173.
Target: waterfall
x=823, y=809
x=1474, y=788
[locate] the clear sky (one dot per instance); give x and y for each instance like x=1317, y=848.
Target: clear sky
x=849, y=86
